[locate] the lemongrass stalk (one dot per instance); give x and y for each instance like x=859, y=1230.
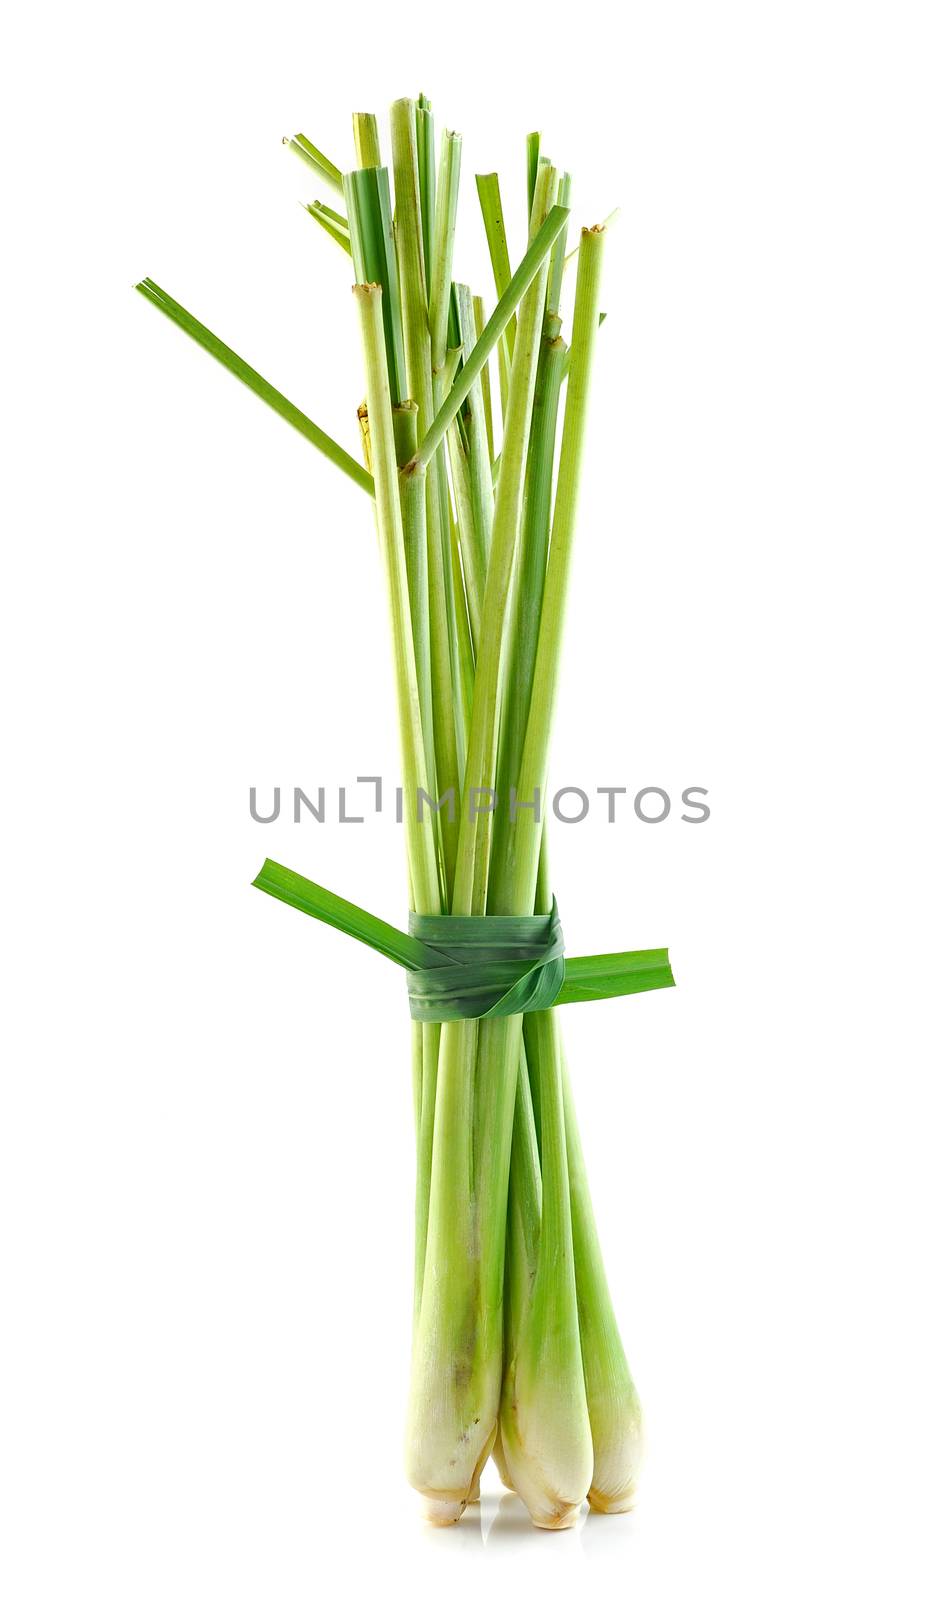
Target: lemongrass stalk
x=456, y=643
x=421, y=844
x=429, y=1058
x=441, y=277
x=257, y=384
x=425, y=1037
x=426, y=538
x=472, y=483
x=485, y=383
x=566, y=365
x=543, y=1416
x=533, y=146
x=421, y=836
x=413, y=513
x=547, y=1455
x=475, y=830
x=557, y=260
x=614, y=1409
x=533, y=552
x=473, y=560
x=364, y=427
x=366, y=139
x=526, y=835
x=316, y=159
x=607, y=222
x=409, y=241
x=545, y=1436
x=522, y=1231
x=464, y=640
x=457, y=1352
x=369, y=214
x=494, y=223
x=482, y=494
x=425, y=139
x=540, y=244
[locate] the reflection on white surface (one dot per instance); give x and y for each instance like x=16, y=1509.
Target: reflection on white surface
x=500, y=1523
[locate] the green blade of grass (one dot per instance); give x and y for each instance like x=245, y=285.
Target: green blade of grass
x=606, y=977
x=257, y=384
x=316, y=159
x=304, y=895
x=328, y=220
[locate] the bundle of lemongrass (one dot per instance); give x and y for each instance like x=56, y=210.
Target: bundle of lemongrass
x=516, y=1347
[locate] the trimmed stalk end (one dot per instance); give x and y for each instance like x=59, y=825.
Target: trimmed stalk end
x=610, y=1505
x=443, y=1513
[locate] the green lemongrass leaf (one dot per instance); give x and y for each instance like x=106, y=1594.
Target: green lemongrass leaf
x=332, y=215
x=610, y=976
x=325, y=218
x=521, y=279
x=315, y=158
x=257, y=384
x=370, y=221
x=297, y=891
x=366, y=139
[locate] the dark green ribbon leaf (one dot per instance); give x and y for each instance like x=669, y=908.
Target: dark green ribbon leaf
x=494, y=966
x=459, y=967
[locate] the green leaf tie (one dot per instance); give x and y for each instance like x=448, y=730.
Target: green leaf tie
x=468, y=967
x=494, y=966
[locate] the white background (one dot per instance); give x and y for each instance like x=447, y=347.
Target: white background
x=206, y=1134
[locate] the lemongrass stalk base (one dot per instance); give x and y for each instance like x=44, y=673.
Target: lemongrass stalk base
x=618, y=1438
x=443, y=1508
x=442, y=1512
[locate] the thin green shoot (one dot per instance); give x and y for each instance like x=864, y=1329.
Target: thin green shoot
x=317, y=159
x=257, y=384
